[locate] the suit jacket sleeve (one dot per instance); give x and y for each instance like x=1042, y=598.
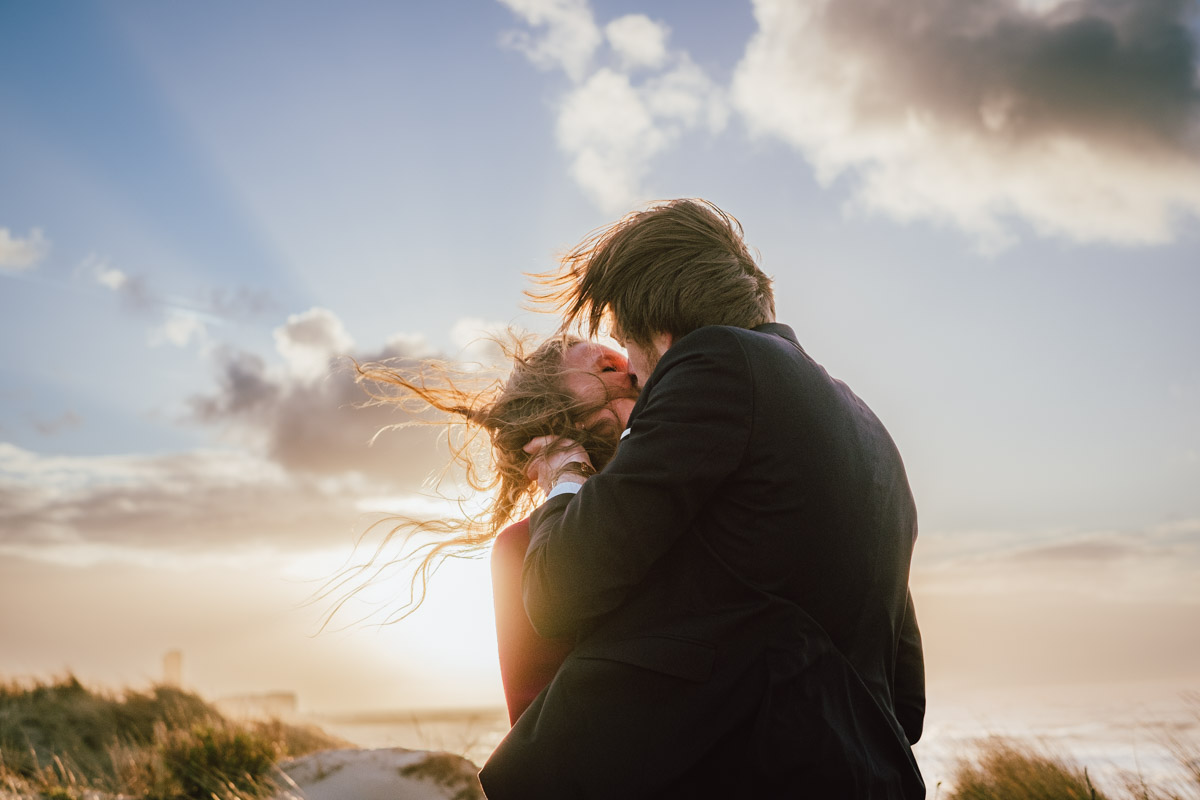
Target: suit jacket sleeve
x=909, y=685
x=688, y=433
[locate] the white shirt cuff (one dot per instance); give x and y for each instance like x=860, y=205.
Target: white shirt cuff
x=564, y=487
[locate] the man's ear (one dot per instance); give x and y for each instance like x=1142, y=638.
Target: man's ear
x=662, y=342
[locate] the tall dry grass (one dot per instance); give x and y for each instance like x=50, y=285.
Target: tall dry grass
x=64, y=741
x=1007, y=770
x=1003, y=769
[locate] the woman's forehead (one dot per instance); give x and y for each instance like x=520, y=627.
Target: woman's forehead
x=584, y=355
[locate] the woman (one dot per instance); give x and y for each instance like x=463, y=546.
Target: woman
x=567, y=387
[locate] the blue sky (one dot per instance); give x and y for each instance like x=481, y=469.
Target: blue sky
x=986, y=225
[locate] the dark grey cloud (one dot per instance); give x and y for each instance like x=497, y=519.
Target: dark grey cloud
x=1083, y=117
x=1122, y=68
x=318, y=425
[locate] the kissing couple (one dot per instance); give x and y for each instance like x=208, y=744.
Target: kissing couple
x=700, y=546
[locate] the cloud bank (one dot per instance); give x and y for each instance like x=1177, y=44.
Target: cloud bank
x=1082, y=119
x=1160, y=563
x=1079, y=119
x=296, y=468
x=87, y=509
x=1007, y=608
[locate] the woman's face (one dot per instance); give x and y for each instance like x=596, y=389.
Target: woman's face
x=600, y=375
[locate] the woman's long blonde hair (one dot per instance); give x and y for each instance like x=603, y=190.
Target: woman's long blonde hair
x=533, y=401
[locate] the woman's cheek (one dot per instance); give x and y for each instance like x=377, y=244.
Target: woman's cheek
x=621, y=408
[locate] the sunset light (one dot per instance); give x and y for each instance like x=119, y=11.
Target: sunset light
x=983, y=217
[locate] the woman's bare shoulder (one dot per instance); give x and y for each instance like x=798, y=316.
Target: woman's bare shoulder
x=511, y=543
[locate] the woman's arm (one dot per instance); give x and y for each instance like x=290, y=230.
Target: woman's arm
x=527, y=661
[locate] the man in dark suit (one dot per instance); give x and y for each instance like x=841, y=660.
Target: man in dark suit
x=737, y=577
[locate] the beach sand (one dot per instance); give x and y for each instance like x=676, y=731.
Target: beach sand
x=384, y=774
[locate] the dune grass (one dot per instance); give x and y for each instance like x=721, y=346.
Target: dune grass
x=63, y=741
x=1003, y=769
x=1007, y=770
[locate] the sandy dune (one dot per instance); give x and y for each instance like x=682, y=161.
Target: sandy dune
x=386, y=774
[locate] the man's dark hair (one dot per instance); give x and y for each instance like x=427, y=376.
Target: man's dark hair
x=671, y=269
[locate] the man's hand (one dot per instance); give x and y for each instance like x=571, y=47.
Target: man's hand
x=557, y=460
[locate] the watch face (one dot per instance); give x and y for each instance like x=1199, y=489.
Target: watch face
x=579, y=468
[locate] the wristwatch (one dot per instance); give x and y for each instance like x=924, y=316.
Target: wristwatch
x=581, y=468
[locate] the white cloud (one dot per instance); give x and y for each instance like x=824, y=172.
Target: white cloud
x=613, y=129
x=685, y=97
x=180, y=328
x=17, y=254
x=311, y=340
x=1078, y=118
x=612, y=136
x=569, y=39
x=638, y=41
x=611, y=125
x=109, y=277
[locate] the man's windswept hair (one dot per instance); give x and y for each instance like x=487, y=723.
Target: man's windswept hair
x=673, y=268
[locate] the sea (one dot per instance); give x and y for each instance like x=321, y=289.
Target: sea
x=1117, y=732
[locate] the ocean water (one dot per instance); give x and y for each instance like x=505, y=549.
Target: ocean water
x=1115, y=731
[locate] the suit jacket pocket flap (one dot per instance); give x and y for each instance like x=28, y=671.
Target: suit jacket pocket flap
x=682, y=658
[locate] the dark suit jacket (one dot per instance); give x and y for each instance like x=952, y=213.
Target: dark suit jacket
x=737, y=580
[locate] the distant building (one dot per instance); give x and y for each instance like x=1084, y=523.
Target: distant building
x=173, y=668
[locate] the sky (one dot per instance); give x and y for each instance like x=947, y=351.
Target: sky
x=982, y=216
